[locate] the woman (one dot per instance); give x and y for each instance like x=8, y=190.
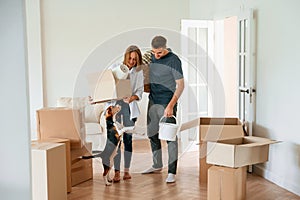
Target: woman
x=129, y=108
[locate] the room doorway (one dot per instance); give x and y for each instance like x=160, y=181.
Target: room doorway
x=220, y=50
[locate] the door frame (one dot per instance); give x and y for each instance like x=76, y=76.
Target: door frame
x=247, y=88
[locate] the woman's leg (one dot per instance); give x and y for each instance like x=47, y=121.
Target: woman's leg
x=117, y=161
x=127, y=139
x=127, y=149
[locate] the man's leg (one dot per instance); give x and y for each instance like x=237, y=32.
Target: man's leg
x=156, y=151
x=173, y=156
x=154, y=114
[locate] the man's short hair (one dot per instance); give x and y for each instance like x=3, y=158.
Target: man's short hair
x=159, y=42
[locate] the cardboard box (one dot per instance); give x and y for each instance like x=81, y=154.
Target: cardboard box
x=66, y=123
x=85, y=150
x=105, y=87
x=203, y=166
x=48, y=171
x=212, y=129
x=238, y=152
x=82, y=170
x=226, y=183
x=68, y=156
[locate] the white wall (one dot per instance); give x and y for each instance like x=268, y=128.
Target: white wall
x=277, y=100
x=15, y=179
x=71, y=30
x=35, y=70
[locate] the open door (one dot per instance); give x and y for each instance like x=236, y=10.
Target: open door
x=223, y=46
x=197, y=51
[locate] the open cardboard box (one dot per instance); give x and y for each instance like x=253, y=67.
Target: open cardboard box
x=81, y=169
x=212, y=129
x=105, y=87
x=238, y=152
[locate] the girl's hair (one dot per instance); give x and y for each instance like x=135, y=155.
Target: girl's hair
x=135, y=49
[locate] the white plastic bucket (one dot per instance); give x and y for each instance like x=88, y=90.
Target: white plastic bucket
x=168, y=131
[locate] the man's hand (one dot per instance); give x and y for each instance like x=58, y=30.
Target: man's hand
x=168, y=111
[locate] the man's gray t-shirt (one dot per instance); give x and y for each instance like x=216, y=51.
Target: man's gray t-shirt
x=163, y=75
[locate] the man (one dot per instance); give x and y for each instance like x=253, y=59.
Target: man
x=166, y=86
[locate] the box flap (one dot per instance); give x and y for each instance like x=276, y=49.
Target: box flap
x=219, y=121
x=209, y=121
x=190, y=124
x=104, y=87
x=251, y=141
x=44, y=145
x=220, y=132
x=226, y=158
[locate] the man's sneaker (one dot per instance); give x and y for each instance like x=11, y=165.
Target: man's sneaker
x=151, y=170
x=170, y=178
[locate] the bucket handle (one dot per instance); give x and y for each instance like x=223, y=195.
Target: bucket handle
x=168, y=117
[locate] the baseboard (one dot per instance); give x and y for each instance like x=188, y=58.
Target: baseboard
x=293, y=187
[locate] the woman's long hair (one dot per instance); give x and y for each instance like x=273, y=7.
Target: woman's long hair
x=135, y=49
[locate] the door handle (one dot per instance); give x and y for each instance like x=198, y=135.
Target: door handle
x=243, y=89
x=248, y=91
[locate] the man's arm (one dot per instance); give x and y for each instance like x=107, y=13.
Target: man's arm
x=177, y=94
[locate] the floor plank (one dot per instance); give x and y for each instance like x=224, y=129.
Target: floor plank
x=153, y=186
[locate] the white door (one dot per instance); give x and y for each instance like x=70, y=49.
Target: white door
x=203, y=52
x=197, y=51
x=246, y=63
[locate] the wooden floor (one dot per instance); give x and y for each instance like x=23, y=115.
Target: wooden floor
x=153, y=186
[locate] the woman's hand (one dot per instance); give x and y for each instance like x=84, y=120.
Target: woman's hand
x=127, y=100
x=130, y=99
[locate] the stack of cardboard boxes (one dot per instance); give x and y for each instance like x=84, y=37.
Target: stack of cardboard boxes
x=65, y=125
x=231, y=158
x=225, y=153
x=213, y=129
